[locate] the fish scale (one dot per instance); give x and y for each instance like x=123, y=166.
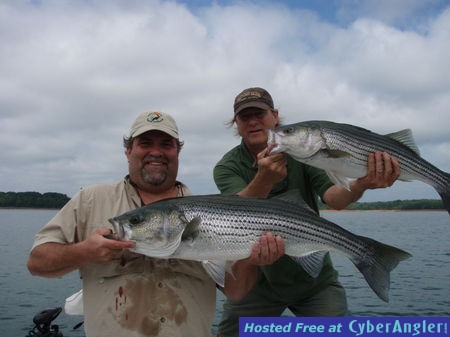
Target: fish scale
x=224, y=228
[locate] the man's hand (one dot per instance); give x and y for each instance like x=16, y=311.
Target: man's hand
x=272, y=168
x=245, y=272
x=101, y=249
x=52, y=259
x=268, y=250
x=382, y=171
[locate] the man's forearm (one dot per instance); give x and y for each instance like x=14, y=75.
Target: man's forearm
x=338, y=197
x=55, y=259
x=241, y=282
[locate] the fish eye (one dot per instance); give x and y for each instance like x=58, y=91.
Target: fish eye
x=135, y=219
x=288, y=130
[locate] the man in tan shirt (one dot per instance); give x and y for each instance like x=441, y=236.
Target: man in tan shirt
x=128, y=294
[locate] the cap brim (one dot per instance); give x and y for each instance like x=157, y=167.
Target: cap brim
x=254, y=104
x=143, y=130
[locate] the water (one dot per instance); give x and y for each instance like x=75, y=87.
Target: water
x=23, y=295
x=419, y=286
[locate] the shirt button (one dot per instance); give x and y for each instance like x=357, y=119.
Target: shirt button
x=162, y=319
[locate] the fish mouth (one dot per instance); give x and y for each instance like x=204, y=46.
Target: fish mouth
x=118, y=229
x=274, y=144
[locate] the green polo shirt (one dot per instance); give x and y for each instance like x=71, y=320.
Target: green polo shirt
x=284, y=280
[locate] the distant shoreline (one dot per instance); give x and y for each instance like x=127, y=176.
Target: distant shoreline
x=31, y=208
x=381, y=210
x=55, y=201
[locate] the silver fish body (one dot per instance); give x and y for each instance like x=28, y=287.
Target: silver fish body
x=342, y=149
x=216, y=228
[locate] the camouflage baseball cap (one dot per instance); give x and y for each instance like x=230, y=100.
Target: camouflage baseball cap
x=148, y=121
x=252, y=98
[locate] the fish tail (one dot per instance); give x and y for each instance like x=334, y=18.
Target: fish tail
x=445, y=193
x=376, y=266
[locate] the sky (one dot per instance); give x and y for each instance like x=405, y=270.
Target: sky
x=75, y=74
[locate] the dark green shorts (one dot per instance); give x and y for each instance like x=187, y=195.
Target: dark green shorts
x=331, y=301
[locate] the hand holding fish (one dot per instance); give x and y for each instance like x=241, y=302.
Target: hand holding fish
x=382, y=171
x=53, y=259
x=99, y=248
x=271, y=168
x=268, y=250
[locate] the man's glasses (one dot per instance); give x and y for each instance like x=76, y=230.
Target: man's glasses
x=245, y=117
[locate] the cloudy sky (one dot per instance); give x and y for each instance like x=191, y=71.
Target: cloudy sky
x=75, y=74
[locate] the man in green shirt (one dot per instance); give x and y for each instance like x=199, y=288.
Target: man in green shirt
x=247, y=171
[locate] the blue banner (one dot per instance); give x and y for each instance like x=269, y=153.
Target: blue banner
x=343, y=326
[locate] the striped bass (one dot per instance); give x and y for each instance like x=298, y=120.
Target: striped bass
x=342, y=149
x=215, y=229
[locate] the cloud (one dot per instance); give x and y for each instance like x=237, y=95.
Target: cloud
x=75, y=75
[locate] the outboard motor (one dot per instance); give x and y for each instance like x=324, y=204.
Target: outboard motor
x=43, y=326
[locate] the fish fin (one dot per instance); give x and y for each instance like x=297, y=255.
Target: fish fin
x=339, y=180
x=157, y=251
x=376, y=267
x=445, y=196
x=445, y=193
x=191, y=230
x=293, y=197
x=216, y=270
x=74, y=304
x=229, y=268
x=311, y=263
x=337, y=154
x=406, y=138
x=273, y=147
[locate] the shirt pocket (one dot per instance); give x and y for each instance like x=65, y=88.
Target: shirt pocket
x=189, y=268
x=129, y=263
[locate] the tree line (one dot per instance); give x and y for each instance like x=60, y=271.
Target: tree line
x=402, y=205
x=33, y=200
x=58, y=200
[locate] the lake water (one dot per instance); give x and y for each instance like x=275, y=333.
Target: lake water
x=420, y=286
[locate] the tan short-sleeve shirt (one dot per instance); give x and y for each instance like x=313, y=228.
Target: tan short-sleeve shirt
x=133, y=296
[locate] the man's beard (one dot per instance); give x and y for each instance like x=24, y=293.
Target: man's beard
x=154, y=178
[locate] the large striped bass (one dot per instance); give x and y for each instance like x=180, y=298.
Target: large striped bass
x=342, y=149
x=215, y=229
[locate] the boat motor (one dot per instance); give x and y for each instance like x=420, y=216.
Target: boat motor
x=43, y=326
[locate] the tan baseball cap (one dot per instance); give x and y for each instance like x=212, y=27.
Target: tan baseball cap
x=252, y=98
x=149, y=121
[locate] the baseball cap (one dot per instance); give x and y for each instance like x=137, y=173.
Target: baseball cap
x=149, y=121
x=252, y=98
